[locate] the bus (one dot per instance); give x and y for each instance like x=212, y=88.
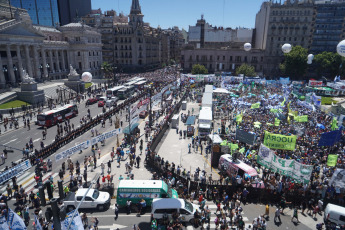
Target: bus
x=140, y=84
x=125, y=92
x=113, y=91
x=57, y=115
x=136, y=190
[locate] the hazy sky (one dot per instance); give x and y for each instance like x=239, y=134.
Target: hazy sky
x=182, y=13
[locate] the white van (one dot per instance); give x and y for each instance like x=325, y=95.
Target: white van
x=109, y=103
x=102, y=99
x=168, y=206
x=335, y=214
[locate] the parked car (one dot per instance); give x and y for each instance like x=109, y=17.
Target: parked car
x=143, y=114
x=101, y=103
x=190, y=131
x=91, y=101
x=93, y=199
x=110, y=103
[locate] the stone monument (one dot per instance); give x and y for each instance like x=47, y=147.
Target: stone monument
x=29, y=92
x=74, y=82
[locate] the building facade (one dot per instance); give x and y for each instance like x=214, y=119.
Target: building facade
x=226, y=60
x=45, y=52
x=291, y=22
x=42, y=12
x=328, y=27
x=53, y=12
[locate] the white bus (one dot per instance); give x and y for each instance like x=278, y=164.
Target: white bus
x=113, y=91
x=140, y=84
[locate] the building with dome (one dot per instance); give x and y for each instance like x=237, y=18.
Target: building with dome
x=44, y=52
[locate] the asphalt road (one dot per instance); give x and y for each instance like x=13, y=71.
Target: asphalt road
x=17, y=138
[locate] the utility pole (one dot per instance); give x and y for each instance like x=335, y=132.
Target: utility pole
x=129, y=126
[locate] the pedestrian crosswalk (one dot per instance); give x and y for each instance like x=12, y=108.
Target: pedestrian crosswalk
x=27, y=181
x=213, y=208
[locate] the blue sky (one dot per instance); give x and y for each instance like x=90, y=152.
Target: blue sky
x=182, y=13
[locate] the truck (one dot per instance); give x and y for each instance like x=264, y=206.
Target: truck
x=206, y=100
x=93, y=199
x=205, y=121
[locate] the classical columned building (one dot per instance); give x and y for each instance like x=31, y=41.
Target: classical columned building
x=44, y=52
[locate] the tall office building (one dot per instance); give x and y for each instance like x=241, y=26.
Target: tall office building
x=329, y=27
x=53, y=12
x=73, y=10
x=42, y=12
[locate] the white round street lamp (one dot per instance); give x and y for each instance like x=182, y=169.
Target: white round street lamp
x=310, y=58
x=247, y=46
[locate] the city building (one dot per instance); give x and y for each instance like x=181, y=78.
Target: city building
x=225, y=60
x=53, y=12
x=204, y=35
x=328, y=27
x=276, y=24
x=130, y=44
x=44, y=52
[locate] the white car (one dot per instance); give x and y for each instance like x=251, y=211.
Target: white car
x=93, y=199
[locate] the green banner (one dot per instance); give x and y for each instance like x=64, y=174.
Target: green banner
x=274, y=110
x=332, y=160
x=255, y=106
x=303, y=118
x=276, y=122
x=278, y=141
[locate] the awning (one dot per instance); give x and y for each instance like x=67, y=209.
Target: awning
x=133, y=126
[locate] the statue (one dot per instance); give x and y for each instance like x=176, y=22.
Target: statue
x=27, y=78
x=72, y=72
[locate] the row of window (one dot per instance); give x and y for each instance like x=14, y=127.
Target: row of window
x=292, y=19
x=223, y=66
x=286, y=39
x=223, y=58
x=291, y=12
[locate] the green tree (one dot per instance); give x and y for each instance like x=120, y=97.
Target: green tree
x=199, y=69
x=295, y=64
x=246, y=70
x=107, y=70
x=329, y=64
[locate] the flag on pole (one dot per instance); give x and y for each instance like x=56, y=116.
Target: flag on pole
x=3, y=223
x=37, y=224
x=242, y=150
x=14, y=221
x=276, y=122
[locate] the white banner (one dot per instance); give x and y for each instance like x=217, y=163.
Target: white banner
x=299, y=172
x=71, y=151
x=338, y=178
x=106, y=135
x=3, y=223
x=14, y=221
x=76, y=224
x=14, y=171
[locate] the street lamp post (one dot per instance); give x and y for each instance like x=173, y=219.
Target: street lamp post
x=48, y=67
x=15, y=69
x=41, y=69
x=4, y=69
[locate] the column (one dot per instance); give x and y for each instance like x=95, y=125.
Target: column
x=37, y=71
x=51, y=61
x=20, y=62
x=57, y=60
x=10, y=64
x=63, y=60
x=44, y=62
x=28, y=61
x=2, y=75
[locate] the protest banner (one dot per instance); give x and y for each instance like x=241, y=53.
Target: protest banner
x=278, y=141
x=299, y=172
x=338, y=178
x=14, y=171
x=76, y=223
x=332, y=160
x=255, y=106
x=303, y=118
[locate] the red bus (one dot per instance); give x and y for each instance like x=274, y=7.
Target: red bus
x=52, y=117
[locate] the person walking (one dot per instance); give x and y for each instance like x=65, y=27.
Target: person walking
x=295, y=214
x=277, y=216
x=116, y=211
x=138, y=160
x=109, y=166
x=102, y=168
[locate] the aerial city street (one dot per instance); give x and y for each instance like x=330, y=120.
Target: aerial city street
x=107, y=122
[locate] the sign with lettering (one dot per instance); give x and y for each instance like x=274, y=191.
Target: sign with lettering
x=278, y=141
x=14, y=171
x=299, y=172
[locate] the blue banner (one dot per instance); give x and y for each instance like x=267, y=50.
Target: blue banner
x=15, y=171
x=330, y=138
